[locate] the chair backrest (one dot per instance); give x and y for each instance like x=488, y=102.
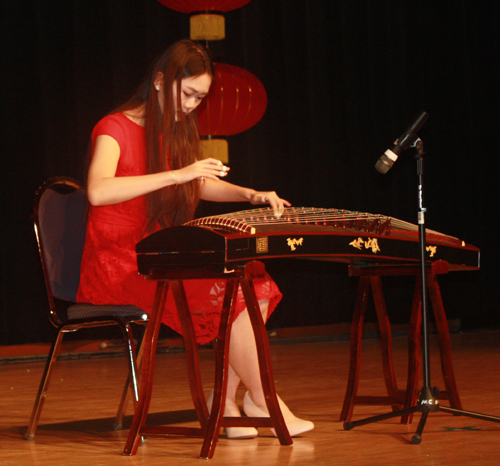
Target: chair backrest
x=60, y=223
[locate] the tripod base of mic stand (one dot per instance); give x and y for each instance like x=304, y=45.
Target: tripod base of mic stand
x=426, y=404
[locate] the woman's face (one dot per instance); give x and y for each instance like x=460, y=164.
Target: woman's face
x=193, y=90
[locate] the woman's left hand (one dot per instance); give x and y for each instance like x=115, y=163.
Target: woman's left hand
x=271, y=198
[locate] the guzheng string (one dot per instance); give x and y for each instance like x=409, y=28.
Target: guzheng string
x=246, y=221
x=300, y=215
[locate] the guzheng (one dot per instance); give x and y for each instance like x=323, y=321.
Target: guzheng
x=223, y=241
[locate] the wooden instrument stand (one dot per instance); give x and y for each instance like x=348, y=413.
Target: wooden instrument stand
x=370, y=278
x=210, y=424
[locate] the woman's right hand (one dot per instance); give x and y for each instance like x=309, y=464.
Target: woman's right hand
x=104, y=188
x=201, y=169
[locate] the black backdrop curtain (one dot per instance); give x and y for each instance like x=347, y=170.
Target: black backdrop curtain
x=343, y=78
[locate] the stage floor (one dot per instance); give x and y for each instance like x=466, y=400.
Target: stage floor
x=76, y=422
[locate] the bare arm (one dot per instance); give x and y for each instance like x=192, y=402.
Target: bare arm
x=104, y=188
x=221, y=191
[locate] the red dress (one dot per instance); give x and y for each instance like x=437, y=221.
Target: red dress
x=108, y=272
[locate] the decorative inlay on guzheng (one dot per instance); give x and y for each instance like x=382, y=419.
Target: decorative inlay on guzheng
x=301, y=232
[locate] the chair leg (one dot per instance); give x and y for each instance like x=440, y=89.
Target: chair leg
x=44, y=385
x=132, y=383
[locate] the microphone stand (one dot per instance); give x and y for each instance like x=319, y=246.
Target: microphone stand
x=427, y=401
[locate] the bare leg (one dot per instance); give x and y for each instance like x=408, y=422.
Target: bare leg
x=244, y=352
x=244, y=364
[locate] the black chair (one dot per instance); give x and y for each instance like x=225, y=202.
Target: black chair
x=60, y=221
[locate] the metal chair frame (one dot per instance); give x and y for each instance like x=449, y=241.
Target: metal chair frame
x=66, y=315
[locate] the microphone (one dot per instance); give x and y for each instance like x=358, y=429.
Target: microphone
x=385, y=163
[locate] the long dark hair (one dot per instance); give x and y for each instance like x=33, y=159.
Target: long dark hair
x=171, y=143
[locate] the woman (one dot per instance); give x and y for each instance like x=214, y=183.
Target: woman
x=146, y=173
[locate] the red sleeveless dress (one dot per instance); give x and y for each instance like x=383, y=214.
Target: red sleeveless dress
x=108, y=273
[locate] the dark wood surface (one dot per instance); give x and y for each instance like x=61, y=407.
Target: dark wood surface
x=76, y=424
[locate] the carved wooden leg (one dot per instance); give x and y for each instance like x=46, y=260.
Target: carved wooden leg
x=221, y=370
x=444, y=341
x=147, y=370
x=264, y=356
x=414, y=335
x=356, y=342
x=191, y=347
x=385, y=338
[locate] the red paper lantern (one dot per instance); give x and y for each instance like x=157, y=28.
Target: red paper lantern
x=236, y=102
x=206, y=22
x=191, y=6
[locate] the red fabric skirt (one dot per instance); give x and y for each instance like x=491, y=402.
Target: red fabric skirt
x=109, y=276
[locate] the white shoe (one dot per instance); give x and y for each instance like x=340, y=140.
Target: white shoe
x=295, y=425
x=234, y=432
